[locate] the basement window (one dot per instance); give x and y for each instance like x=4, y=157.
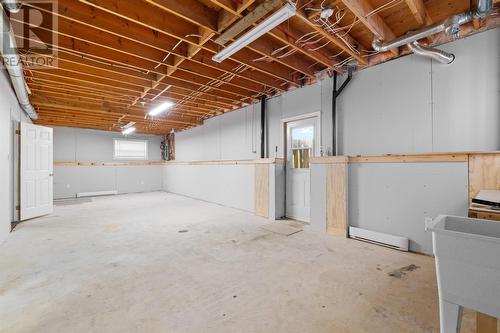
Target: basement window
x=130, y=149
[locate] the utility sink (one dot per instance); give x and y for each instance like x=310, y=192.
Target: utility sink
x=467, y=266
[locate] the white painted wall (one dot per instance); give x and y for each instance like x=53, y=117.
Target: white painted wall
x=83, y=145
x=10, y=116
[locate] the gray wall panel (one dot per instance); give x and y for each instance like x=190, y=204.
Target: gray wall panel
x=279, y=191
x=11, y=115
x=229, y=185
x=65, y=144
x=395, y=198
x=70, y=180
x=132, y=179
x=387, y=109
x=408, y=105
x=83, y=145
x=232, y=136
x=318, y=197
x=467, y=98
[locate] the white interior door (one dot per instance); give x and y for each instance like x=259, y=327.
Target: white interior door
x=302, y=141
x=36, y=174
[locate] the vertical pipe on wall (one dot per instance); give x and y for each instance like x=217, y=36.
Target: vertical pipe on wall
x=334, y=115
x=262, y=126
x=336, y=93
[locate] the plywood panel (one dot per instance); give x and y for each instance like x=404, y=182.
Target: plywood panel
x=484, y=173
x=262, y=190
x=336, y=199
x=485, y=323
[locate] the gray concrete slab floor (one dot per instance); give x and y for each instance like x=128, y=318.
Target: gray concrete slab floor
x=159, y=262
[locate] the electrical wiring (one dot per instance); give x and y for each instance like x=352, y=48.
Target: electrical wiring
x=320, y=47
x=388, y=5
x=168, y=55
x=78, y=54
x=336, y=55
x=279, y=49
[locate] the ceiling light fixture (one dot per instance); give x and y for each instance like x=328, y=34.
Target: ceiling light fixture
x=130, y=124
x=161, y=108
x=129, y=130
x=267, y=25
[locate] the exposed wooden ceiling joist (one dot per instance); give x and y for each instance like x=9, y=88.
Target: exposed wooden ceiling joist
x=116, y=59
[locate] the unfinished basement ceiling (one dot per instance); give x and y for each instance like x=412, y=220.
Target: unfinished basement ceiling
x=117, y=59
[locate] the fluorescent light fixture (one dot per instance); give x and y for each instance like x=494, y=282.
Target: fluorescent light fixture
x=267, y=25
x=128, y=130
x=161, y=108
x=130, y=124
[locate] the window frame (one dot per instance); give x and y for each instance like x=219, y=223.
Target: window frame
x=123, y=158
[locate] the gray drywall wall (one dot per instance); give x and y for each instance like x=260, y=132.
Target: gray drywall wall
x=279, y=190
x=10, y=117
x=408, y=105
x=395, y=198
x=236, y=134
x=228, y=185
x=318, y=197
x=83, y=145
x=232, y=136
x=6, y=195
x=466, y=112
x=413, y=105
x=70, y=180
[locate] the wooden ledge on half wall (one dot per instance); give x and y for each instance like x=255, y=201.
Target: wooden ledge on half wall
x=403, y=158
x=228, y=162
x=106, y=163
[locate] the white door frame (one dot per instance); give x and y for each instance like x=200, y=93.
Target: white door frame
x=317, y=148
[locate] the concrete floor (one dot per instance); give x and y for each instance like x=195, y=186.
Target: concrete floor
x=158, y=262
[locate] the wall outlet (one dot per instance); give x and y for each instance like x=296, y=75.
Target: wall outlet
x=142, y=182
x=427, y=222
x=68, y=185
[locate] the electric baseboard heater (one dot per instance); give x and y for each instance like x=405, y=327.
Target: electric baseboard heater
x=95, y=194
x=394, y=242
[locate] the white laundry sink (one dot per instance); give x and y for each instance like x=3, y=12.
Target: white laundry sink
x=467, y=266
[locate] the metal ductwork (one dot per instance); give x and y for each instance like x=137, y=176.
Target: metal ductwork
x=430, y=52
x=12, y=61
x=11, y=5
x=451, y=26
